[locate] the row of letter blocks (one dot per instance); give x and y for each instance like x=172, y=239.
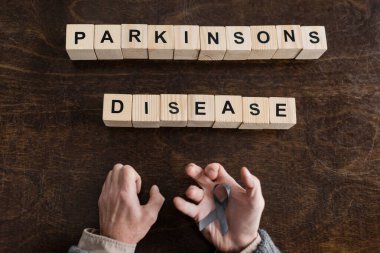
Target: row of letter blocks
x=192, y=42
x=219, y=111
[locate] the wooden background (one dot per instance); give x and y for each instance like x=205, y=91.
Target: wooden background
x=321, y=179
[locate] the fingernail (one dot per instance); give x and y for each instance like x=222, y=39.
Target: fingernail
x=155, y=188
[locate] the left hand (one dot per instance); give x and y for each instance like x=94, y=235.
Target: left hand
x=243, y=211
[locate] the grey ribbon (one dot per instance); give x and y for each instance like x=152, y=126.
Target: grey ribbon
x=218, y=213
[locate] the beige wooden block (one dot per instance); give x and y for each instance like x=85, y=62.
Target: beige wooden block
x=213, y=43
x=264, y=42
x=314, y=42
x=117, y=110
x=186, y=41
x=134, y=41
x=160, y=42
x=80, y=41
x=201, y=110
x=173, y=110
x=289, y=40
x=239, y=42
x=228, y=111
x=282, y=112
x=146, y=111
x=255, y=113
x=107, y=42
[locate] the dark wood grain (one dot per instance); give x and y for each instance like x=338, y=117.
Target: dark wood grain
x=321, y=179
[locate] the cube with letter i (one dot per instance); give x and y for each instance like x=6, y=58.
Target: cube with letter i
x=134, y=41
x=314, y=42
x=117, y=110
x=173, y=110
x=80, y=41
x=107, y=42
x=146, y=111
x=186, y=40
x=282, y=112
x=228, y=111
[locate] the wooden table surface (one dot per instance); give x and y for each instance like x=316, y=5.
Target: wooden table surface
x=321, y=179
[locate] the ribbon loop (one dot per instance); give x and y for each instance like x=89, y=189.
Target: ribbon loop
x=218, y=213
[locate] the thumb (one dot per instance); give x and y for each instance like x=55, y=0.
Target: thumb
x=252, y=183
x=155, y=202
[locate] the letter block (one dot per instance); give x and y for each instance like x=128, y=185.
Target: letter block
x=213, y=43
x=228, y=111
x=264, y=42
x=117, y=110
x=314, y=42
x=146, y=111
x=201, y=110
x=289, y=41
x=173, y=110
x=255, y=113
x=238, y=42
x=282, y=113
x=134, y=41
x=160, y=42
x=80, y=42
x=108, y=42
x=186, y=42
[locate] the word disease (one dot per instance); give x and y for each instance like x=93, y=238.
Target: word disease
x=181, y=110
x=192, y=42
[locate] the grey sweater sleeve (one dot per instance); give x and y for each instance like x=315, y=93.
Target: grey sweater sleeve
x=266, y=245
x=75, y=249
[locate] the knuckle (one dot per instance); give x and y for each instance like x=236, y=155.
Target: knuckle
x=151, y=217
x=117, y=166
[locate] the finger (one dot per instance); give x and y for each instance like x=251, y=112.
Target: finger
x=107, y=182
x=186, y=207
x=195, y=193
x=155, y=202
x=197, y=173
x=130, y=179
x=216, y=172
x=115, y=173
x=251, y=183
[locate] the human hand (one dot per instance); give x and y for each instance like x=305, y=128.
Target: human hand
x=243, y=211
x=121, y=216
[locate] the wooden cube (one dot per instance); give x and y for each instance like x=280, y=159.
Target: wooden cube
x=186, y=41
x=134, y=41
x=160, y=42
x=173, y=110
x=239, y=42
x=228, y=111
x=255, y=113
x=146, y=111
x=107, y=42
x=282, y=113
x=201, y=110
x=117, y=110
x=80, y=41
x=289, y=40
x=213, y=43
x=264, y=42
x=314, y=42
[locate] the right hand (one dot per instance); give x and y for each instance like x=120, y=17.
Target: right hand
x=243, y=211
x=121, y=216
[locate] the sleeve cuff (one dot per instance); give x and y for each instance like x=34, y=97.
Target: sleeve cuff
x=95, y=243
x=253, y=246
